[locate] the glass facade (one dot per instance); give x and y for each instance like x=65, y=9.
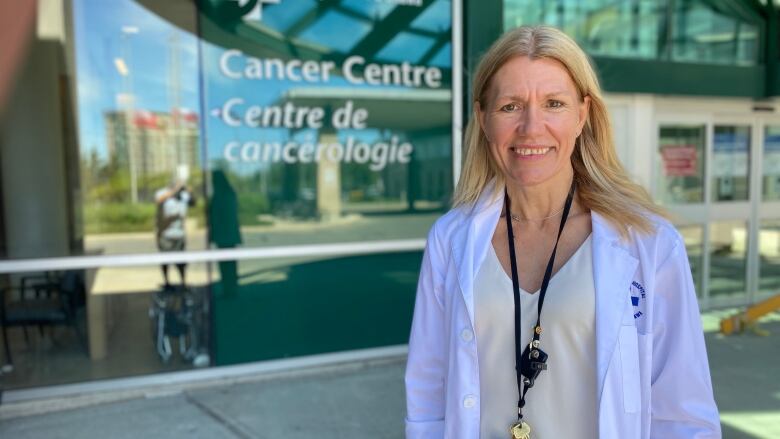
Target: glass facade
x=702, y=32
x=138, y=100
x=695, y=31
x=172, y=133
x=730, y=233
x=330, y=146
x=599, y=26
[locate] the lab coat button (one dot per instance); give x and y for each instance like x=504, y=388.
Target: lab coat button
x=467, y=335
x=469, y=401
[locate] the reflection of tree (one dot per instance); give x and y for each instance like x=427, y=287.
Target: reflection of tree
x=107, y=204
x=360, y=183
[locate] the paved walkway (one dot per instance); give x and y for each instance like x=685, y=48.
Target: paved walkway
x=367, y=401
x=353, y=401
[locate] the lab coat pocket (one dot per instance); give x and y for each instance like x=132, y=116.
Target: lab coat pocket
x=629, y=362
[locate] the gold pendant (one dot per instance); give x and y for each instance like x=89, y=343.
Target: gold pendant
x=520, y=430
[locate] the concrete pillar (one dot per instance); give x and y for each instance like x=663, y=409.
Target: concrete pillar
x=32, y=153
x=328, y=182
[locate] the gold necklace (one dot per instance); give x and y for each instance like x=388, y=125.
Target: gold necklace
x=521, y=219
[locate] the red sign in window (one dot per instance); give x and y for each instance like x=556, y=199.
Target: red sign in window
x=679, y=160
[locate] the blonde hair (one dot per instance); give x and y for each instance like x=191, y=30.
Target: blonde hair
x=602, y=183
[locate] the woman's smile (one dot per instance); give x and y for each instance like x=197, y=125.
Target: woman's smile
x=530, y=152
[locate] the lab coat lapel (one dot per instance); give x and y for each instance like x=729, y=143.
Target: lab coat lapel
x=613, y=269
x=470, y=242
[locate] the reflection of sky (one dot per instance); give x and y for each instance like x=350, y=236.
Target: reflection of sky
x=281, y=16
x=99, y=41
x=372, y=9
x=406, y=46
x=443, y=57
x=436, y=18
x=337, y=31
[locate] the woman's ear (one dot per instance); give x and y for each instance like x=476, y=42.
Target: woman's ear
x=584, y=113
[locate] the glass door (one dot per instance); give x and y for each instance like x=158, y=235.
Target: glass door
x=730, y=220
x=704, y=175
x=768, y=257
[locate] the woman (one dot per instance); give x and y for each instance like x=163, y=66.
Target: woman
x=594, y=301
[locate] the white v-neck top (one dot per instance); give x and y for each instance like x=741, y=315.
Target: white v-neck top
x=562, y=402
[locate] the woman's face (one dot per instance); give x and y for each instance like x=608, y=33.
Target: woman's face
x=531, y=118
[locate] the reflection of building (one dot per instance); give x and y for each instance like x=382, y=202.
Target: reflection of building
x=420, y=117
x=157, y=141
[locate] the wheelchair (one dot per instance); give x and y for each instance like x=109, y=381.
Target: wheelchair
x=179, y=312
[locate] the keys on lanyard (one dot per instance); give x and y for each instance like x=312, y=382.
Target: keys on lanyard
x=520, y=430
x=534, y=362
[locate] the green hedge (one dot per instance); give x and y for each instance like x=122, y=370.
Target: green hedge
x=127, y=217
x=250, y=206
x=119, y=217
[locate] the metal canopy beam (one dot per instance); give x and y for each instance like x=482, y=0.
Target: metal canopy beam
x=387, y=29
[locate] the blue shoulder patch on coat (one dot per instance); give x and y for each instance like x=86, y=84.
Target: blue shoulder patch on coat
x=637, y=298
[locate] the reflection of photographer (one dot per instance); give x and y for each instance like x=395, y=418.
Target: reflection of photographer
x=172, y=204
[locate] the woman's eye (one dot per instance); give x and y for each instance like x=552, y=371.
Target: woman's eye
x=508, y=108
x=555, y=104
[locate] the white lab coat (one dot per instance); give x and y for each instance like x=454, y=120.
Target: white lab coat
x=653, y=377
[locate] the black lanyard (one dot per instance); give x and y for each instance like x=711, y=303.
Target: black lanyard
x=531, y=361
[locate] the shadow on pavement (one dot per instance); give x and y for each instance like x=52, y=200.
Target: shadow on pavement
x=745, y=370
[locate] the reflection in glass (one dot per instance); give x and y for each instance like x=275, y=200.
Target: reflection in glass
x=351, y=31
x=730, y=163
x=301, y=306
x=702, y=33
x=109, y=120
x=693, y=235
x=349, y=140
x=372, y=10
x=680, y=168
x=728, y=248
x=683, y=30
x=103, y=323
x=282, y=17
x=139, y=130
x=770, y=183
x=436, y=18
x=176, y=309
x=602, y=27
x=406, y=46
x=769, y=254
x=443, y=58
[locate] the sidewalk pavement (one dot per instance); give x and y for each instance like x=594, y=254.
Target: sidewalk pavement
x=361, y=400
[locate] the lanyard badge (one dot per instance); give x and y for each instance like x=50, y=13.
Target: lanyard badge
x=531, y=361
